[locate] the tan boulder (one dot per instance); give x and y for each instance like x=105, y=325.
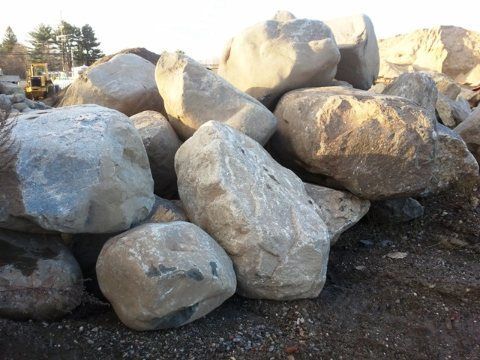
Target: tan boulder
x=469, y=130
x=275, y=56
x=194, y=95
x=125, y=83
x=375, y=146
x=451, y=50
x=454, y=163
x=160, y=276
x=257, y=210
x=359, y=62
x=340, y=210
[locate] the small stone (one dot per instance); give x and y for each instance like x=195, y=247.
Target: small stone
x=397, y=255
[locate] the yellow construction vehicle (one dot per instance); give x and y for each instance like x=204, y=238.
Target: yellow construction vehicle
x=39, y=84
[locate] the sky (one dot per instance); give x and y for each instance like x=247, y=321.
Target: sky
x=201, y=28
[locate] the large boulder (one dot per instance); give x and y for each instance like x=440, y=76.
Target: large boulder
x=39, y=277
x=160, y=276
x=194, y=95
x=275, y=56
x=161, y=143
x=79, y=169
x=445, y=49
x=469, y=130
x=257, y=210
x=125, y=83
x=454, y=163
x=357, y=42
x=418, y=87
x=375, y=146
x=339, y=210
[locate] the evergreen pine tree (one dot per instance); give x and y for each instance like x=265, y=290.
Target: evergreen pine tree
x=9, y=40
x=43, y=48
x=88, y=50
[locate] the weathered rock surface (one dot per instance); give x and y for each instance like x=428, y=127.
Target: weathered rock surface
x=446, y=85
x=359, y=62
x=194, y=95
x=125, y=83
x=469, y=130
x=161, y=143
x=257, y=210
x=418, y=87
x=39, y=278
x=452, y=112
x=339, y=210
x=375, y=146
x=397, y=210
x=80, y=169
x=164, y=211
x=446, y=49
x=160, y=276
x=275, y=56
x=454, y=163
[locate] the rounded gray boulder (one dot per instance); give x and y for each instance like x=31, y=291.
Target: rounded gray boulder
x=79, y=169
x=160, y=276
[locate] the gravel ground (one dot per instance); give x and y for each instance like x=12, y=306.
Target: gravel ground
x=409, y=291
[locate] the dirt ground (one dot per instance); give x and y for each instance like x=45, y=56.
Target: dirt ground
x=423, y=306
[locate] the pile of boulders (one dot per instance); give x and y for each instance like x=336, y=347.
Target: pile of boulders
x=165, y=192
x=13, y=101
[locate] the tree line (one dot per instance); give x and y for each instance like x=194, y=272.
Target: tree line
x=62, y=47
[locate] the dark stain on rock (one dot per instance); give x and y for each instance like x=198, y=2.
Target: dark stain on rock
x=274, y=178
x=213, y=265
x=159, y=270
x=195, y=274
x=23, y=258
x=176, y=318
